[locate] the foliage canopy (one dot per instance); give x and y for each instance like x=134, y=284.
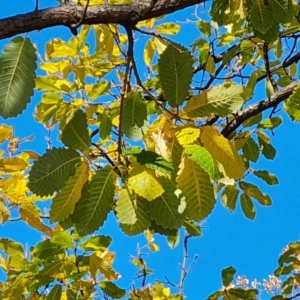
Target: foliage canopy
x=156, y=139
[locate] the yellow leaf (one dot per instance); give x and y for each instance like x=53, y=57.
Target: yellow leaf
x=160, y=45
x=161, y=144
x=101, y=265
x=144, y=183
x=57, y=49
x=168, y=28
x=91, y=3
x=63, y=85
x=35, y=222
x=49, y=67
x=4, y=212
x=32, y=155
x=12, y=164
x=223, y=151
x=149, y=52
x=5, y=132
x=153, y=247
x=187, y=135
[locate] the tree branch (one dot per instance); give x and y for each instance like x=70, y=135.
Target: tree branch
x=259, y=107
x=69, y=15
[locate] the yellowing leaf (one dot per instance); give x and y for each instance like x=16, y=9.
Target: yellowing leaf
x=187, y=135
x=5, y=132
x=100, y=264
x=168, y=28
x=197, y=189
x=223, y=151
x=12, y=164
x=149, y=52
x=63, y=204
x=144, y=183
x=35, y=222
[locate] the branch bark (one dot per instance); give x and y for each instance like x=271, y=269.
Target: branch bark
x=126, y=14
x=261, y=106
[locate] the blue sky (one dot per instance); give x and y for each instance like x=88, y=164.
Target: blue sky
x=252, y=247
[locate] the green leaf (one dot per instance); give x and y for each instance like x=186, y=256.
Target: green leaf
x=250, y=149
x=51, y=170
x=96, y=200
x=260, y=16
x=252, y=121
x=11, y=247
x=46, y=249
x=176, y=153
x=112, y=290
x=75, y=134
x=227, y=275
x=253, y=191
x=134, y=116
x=217, y=11
x=51, y=268
x=175, y=72
x=219, y=100
x=204, y=27
x=96, y=243
x=153, y=161
x=71, y=295
x=282, y=10
x=63, y=204
x=168, y=209
x=126, y=207
x=192, y=228
x=266, y=148
x=247, y=206
x=162, y=231
x=229, y=197
x=270, y=36
x=203, y=158
x=105, y=126
x=55, y=293
x=136, y=210
x=17, y=75
x=292, y=105
x=270, y=123
x=198, y=190
x=62, y=240
x=267, y=177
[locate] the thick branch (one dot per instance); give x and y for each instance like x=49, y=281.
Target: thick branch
x=100, y=14
x=259, y=107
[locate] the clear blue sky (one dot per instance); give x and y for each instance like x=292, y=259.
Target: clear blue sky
x=252, y=247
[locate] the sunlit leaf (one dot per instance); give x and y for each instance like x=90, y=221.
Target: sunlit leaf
x=63, y=204
x=11, y=247
x=247, y=206
x=223, y=151
x=197, y=190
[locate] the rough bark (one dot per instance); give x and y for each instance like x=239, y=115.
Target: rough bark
x=69, y=15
